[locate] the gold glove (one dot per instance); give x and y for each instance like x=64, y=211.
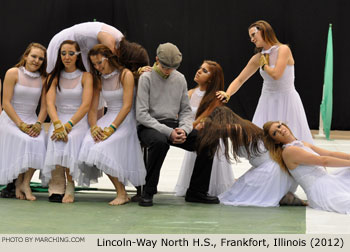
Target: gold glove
x=24, y=127
x=108, y=131
x=225, y=95
x=68, y=126
x=264, y=60
x=59, y=130
x=36, y=127
x=95, y=130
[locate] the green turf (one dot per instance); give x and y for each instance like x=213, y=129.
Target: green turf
x=91, y=214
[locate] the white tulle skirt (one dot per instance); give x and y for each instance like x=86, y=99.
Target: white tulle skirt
x=19, y=151
x=331, y=192
x=65, y=153
x=262, y=186
x=283, y=106
x=221, y=177
x=119, y=155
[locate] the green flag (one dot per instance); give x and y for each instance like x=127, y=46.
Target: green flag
x=327, y=99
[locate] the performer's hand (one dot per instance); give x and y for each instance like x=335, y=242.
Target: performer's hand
x=35, y=129
x=223, y=96
x=68, y=126
x=108, y=131
x=59, y=133
x=97, y=133
x=24, y=127
x=264, y=60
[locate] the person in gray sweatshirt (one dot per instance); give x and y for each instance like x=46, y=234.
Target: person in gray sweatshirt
x=164, y=116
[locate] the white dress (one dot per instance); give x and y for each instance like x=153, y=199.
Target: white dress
x=19, y=151
x=263, y=185
x=119, y=155
x=279, y=101
x=68, y=101
x=85, y=34
x=324, y=191
x=221, y=177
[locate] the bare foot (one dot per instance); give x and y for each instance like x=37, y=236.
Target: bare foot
x=25, y=189
x=68, y=198
x=120, y=200
x=19, y=194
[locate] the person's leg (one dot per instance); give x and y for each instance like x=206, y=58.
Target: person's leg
x=24, y=187
x=70, y=188
x=57, y=184
x=122, y=196
x=158, y=147
x=200, y=179
x=19, y=193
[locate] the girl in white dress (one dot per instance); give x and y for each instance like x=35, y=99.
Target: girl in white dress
x=22, y=139
x=306, y=163
x=279, y=100
x=68, y=101
x=263, y=185
x=112, y=145
x=210, y=79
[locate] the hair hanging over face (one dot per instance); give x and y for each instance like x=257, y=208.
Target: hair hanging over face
x=132, y=56
x=59, y=66
x=274, y=148
x=267, y=33
x=224, y=124
x=215, y=83
x=104, y=51
x=22, y=61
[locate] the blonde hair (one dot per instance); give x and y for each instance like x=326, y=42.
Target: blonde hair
x=22, y=61
x=274, y=148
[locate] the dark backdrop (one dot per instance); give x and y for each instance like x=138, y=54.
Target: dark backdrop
x=203, y=29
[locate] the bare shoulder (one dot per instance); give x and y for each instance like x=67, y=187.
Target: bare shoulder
x=190, y=92
x=284, y=49
x=87, y=75
x=291, y=151
x=12, y=72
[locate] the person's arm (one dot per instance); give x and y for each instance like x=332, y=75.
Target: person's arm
x=185, y=113
x=9, y=85
x=128, y=93
x=142, y=107
x=294, y=156
x=35, y=129
x=323, y=152
x=86, y=98
x=284, y=56
x=247, y=72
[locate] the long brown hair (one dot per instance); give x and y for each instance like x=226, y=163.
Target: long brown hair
x=267, y=33
x=59, y=66
x=22, y=61
x=132, y=56
x=224, y=124
x=274, y=148
x=215, y=83
x=112, y=60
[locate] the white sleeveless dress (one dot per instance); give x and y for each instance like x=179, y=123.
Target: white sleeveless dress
x=68, y=101
x=19, y=151
x=119, y=155
x=279, y=101
x=221, y=177
x=263, y=185
x=324, y=191
x=85, y=34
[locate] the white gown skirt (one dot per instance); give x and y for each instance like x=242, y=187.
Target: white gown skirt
x=331, y=192
x=261, y=186
x=119, y=155
x=65, y=153
x=283, y=106
x=221, y=177
x=19, y=151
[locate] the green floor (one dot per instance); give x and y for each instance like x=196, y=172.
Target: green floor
x=91, y=214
